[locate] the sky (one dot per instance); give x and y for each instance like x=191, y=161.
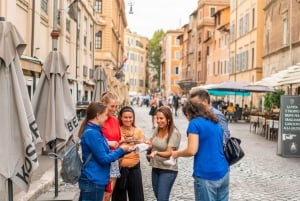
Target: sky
x=151, y=15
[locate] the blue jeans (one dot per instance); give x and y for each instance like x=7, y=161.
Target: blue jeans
x=162, y=183
x=90, y=191
x=209, y=190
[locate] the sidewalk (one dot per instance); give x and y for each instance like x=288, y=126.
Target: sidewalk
x=261, y=174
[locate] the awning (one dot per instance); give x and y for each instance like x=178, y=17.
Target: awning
x=284, y=77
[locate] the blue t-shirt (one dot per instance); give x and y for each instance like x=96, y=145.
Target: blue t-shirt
x=209, y=162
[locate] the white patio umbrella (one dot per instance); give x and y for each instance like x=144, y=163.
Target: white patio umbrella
x=19, y=133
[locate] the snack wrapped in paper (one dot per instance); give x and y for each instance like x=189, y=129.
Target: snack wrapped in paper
x=170, y=162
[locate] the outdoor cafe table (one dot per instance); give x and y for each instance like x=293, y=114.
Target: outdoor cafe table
x=265, y=124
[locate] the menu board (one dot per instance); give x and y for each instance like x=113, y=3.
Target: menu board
x=290, y=126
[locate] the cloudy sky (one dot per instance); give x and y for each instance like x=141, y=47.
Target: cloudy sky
x=151, y=15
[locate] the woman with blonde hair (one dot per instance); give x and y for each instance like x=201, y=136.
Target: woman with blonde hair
x=111, y=131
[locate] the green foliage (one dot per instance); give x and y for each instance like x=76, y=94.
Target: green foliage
x=267, y=102
x=273, y=99
x=155, y=52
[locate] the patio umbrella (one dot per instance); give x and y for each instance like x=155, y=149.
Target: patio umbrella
x=230, y=86
x=258, y=88
x=227, y=93
x=19, y=133
x=52, y=102
x=53, y=106
x=100, y=78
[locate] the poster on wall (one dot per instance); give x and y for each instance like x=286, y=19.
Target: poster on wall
x=289, y=132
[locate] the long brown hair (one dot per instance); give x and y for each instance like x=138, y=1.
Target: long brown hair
x=126, y=109
x=92, y=110
x=166, y=111
x=193, y=110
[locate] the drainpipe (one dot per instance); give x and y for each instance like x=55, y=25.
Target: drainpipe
x=32, y=44
x=32, y=29
x=291, y=23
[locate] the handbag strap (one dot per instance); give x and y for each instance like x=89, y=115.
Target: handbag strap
x=89, y=157
x=87, y=160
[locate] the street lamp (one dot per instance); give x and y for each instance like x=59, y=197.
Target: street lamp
x=131, y=3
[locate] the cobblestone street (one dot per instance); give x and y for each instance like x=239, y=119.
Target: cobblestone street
x=261, y=175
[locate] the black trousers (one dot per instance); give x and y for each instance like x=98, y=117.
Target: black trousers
x=129, y=183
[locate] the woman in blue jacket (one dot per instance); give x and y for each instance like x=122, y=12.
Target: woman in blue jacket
x=95, y=176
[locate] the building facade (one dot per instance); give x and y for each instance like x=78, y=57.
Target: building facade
x=135, y=62
x=218, y=43
x=246, y=40
x=92, y=34
x=171, y=62
x=281, y=37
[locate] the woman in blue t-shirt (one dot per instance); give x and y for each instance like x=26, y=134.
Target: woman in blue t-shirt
x=205, y=143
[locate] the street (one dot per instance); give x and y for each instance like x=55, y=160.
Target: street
x=260, y=175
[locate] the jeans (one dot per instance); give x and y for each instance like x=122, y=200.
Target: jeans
x=90, y=191
x=209, y=190
x=162, y=183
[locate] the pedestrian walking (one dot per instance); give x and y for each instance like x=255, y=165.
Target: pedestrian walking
x=176, y=101
x=95, y=176
x=165, y=139
x=130, y=181
x=153, y=107
x=202, y=96
x=111, y=131
x=205, y=143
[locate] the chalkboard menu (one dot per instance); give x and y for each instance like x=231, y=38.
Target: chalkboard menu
x=290, y=126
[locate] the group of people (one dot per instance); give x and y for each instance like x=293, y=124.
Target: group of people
x=114, y=173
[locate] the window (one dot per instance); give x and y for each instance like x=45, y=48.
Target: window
x=246, y=28
x=199, y=56
x=212, y=11
x=98, y=40
x=177, y=55
x=176, y=70
x=284, y=32
x=98, y=6
x=91, y=73
x=232, y=33
x=85, y=31
x=44, y=5
x=241, y=27
x=85, y=70
x=253, y=17
x=230, y=65
x=252, y=58
x=68, y=25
